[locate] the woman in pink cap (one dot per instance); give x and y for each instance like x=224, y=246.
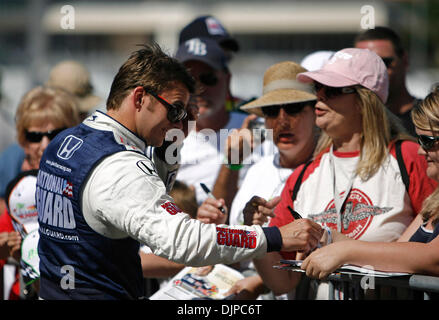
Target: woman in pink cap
x=421, y=253
x=366, y=180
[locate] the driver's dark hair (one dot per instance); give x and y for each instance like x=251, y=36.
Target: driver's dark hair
x=150, y=68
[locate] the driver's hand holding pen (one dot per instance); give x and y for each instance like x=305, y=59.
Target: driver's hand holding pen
x=212, y=210
x=302, y=234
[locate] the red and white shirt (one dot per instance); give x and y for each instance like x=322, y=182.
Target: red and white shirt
x=378, y=209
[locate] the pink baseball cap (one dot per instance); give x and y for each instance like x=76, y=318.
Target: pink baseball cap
x=352, y=66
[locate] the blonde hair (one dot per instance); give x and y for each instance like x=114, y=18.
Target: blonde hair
x=45, y=104
x=380, y=127
x=425, y=116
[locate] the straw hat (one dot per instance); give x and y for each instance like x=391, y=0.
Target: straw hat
x=73, y=77
x=281, y=87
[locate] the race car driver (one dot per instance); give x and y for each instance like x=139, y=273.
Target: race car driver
x=99, y=194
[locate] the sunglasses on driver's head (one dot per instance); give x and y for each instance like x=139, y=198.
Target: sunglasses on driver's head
x=427, y=142
x=36, y=136
x=290, y=109
x=176, y=111
x=331, y=92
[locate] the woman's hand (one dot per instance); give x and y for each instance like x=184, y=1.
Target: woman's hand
x=322, y=262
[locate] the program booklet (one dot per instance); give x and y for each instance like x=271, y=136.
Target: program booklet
x=294, y=265
x=211, y=282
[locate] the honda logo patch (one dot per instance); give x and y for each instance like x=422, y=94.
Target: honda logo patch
x=68, y=147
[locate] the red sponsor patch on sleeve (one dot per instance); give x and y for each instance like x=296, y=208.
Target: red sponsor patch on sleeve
x=172, y=208
x=236, y=238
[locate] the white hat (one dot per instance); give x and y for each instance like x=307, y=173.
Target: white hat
x=316, y=60
x=21, y=202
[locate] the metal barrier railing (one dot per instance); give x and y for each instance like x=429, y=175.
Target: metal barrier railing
x=354, y=287
x=367, y=287
x=349, y=287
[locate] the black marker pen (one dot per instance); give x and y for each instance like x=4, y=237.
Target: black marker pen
x=295, y=214
x=210, y=195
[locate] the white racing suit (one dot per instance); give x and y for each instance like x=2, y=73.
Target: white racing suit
x=122, y=197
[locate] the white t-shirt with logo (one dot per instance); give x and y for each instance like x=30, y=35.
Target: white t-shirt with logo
x=378, y=209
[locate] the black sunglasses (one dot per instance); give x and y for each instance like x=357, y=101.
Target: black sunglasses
x=35, y=136
x=176, y=111
x=388, y=61
x=427, y=142
x=290, y=109
x=331, y=92
x=208, y=79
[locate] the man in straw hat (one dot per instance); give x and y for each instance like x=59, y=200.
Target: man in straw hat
x=74, y=77
x=288, y=109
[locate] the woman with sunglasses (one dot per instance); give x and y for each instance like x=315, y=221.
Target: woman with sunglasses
x=421, y=253
x=354, y=186
x=43, y=112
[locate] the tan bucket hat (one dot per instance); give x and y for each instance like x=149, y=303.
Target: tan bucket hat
x=281, y=87
x=73, y=77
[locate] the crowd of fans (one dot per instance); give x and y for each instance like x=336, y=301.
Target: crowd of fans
x=343, y=144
